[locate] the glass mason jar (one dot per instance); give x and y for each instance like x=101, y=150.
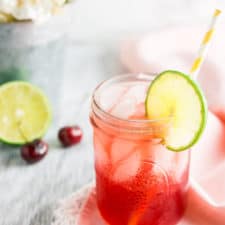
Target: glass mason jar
x=138, y=180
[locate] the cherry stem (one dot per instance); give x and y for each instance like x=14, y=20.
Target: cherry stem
x=21, y=131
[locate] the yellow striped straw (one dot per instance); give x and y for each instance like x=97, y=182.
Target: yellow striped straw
x=204, y=45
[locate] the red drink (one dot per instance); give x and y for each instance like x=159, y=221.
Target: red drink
x=138, y=181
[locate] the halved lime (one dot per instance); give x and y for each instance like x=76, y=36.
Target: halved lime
x=25, y=113
x=177, y=96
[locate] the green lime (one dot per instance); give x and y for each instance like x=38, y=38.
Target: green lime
x=25, y=113
x=179, y=98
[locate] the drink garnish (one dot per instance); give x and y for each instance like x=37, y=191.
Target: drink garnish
x=176, y=96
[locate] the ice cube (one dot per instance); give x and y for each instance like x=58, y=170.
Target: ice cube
x=128, y=168
x=125, y=157
x=101, y=145
x=108, y=98
x=125, y=108
x=138, y=91
x=128, y=102
x=121, y=149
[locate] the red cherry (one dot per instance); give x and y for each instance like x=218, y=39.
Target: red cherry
x=70, y=135
x=34, y=151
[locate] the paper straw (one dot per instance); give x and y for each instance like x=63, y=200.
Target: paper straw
x=204, y=45
x=135, y=217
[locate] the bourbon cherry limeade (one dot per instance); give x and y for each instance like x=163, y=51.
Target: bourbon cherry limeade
x=138, y=180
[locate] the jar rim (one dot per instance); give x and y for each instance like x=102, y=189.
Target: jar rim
x=137, y=125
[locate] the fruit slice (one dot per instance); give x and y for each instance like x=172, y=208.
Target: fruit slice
x=176, y=96
x=25, y=113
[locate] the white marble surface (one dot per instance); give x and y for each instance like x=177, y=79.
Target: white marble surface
x=29, y=193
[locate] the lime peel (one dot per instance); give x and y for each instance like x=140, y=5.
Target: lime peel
x=176, y=95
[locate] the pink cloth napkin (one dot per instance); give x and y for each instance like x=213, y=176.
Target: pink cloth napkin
x=176, y=49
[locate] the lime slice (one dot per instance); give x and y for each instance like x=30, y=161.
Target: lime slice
x=25, y=113
x=177, y=96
